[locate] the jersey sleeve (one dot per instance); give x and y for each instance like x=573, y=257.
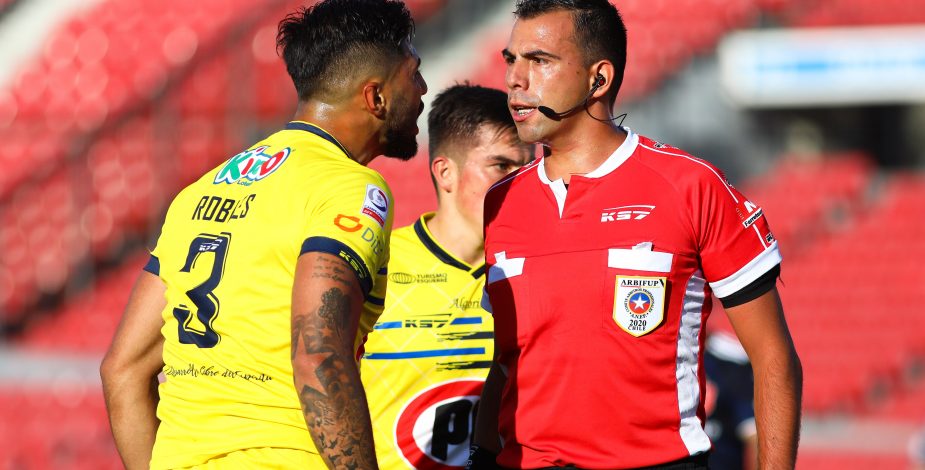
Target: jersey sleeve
x=735, y=241
x=162, y=247
x=352, y=218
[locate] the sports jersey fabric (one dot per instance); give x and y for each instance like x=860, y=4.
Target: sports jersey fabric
x=428, y=356
x=600, y=294
x=227, y=254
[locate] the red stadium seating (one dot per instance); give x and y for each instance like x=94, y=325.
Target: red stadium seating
x=855, y=13
x=64, y=427
x=656, y=49
x=87, y=323
x=804, y=199
x=108, y=59
x=845, y=459
x=905, y=404
x=849, y=283
x=852, y=299
x=144, y=125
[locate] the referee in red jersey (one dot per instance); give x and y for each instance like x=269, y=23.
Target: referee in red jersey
x=603, y=258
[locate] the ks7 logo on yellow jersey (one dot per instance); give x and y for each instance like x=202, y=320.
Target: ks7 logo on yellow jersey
x=252, y=165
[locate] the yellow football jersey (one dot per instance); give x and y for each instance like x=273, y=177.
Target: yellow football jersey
x=227, y=254
x=428, y=355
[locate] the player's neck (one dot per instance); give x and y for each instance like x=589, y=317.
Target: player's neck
x=453, y=233
x=351, y=129
x=582, y=150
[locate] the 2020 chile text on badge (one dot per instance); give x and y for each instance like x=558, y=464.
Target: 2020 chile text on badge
x=639, y=303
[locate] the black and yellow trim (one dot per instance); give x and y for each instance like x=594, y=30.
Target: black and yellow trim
x=313, y=129
x=344, y=252
x=153, y=266
x=420, y=229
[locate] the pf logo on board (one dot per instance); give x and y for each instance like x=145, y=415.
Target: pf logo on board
x=434, y=430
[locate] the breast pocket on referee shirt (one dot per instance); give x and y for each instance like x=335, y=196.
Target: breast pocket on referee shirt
x=637, y=289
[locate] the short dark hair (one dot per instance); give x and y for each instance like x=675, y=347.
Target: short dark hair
x=459, y=111
x=599, y=30
x=325, y=42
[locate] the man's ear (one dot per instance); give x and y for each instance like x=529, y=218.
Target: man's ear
x=605, y=70
x=372, y=98
x=444, y=171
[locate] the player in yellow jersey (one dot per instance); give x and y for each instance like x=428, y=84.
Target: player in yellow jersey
x=271, y=268
x=428, y=355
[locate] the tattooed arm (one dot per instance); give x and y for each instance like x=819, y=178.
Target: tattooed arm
x=326, y=307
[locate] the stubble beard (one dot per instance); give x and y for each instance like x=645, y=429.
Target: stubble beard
x=400, y=140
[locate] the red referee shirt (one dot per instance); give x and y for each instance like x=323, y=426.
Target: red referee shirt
x=600, y=295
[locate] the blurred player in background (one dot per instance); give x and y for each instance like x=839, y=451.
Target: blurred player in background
x=427, y=358
x=602, y=258
x=729, y=404
x=285, y=241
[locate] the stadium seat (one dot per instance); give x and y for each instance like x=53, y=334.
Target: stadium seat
x=64, y=427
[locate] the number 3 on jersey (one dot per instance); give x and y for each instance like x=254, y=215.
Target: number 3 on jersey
x=199, y=331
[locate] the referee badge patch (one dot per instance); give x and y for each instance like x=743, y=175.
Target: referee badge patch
x=639, y=304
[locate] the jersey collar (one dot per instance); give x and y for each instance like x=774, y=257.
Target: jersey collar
x=620, y=155
x=311, y=128
x=420, y=229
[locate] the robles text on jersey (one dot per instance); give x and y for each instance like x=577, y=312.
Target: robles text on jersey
x=222, y=209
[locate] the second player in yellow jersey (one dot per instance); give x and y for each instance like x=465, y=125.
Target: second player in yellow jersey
x=426, y=359
x=428, y=354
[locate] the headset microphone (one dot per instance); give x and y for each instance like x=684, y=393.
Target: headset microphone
x=551, y=114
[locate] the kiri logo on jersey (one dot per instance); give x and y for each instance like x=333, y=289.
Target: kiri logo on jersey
x=637, y=212
x=253, y=165
x=434, y=429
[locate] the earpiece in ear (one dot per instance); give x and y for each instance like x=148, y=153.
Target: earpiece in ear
x=601, y=81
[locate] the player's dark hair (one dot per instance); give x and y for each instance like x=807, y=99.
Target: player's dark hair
x=459, y=111
x=328, y=41
x=599, y=31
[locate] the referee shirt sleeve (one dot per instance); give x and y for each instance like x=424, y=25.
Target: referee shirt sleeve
x=735, y=241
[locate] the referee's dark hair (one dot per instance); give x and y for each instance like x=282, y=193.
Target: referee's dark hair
x=326, y=44
x=599, y=31
x=459, y=111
